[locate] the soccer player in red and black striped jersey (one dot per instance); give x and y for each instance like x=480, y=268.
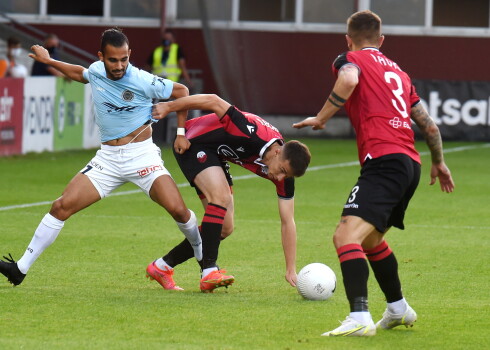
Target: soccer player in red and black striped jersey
x=203, y=147
x=381, y=102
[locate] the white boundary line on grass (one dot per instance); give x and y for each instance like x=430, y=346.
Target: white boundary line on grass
x=244, y=177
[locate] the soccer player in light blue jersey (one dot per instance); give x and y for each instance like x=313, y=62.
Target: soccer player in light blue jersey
x=122, y=97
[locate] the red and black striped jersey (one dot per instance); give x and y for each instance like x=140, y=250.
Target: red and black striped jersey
x=241, y=138
x=379, y=108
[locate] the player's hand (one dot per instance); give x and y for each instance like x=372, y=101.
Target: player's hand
x=442, y=172
x=291, y=277
x=160, y=110
x=40, y=54
x=314, y=122
x=181, y=144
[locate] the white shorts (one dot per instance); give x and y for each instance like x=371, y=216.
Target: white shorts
x=140, y=163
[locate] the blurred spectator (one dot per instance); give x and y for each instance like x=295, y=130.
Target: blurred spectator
x=51, y=43
x=168, y=60
x=8, y=65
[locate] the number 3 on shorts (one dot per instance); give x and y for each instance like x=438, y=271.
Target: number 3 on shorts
x=352, y=196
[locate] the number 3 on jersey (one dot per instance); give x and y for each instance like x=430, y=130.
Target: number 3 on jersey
x=398, y=93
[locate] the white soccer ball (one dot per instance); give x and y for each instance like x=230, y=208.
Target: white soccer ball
x=316, y=281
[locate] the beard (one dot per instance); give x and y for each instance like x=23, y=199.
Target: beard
x=115, y=74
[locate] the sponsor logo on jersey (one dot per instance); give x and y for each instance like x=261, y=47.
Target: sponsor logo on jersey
x=114, y=108
x=202, y=157
x=240, y=149
x=251, y=128
x=396, y=123
x=148, y=170
x=127, y=95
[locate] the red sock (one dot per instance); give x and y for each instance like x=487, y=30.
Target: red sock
x=355, y=273
x=211, y=226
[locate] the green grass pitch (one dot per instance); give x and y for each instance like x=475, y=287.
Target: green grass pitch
x=89, y=291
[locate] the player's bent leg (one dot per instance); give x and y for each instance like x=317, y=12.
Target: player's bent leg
x=78, y=194
x=213, y=184
x=348, y=237
x=164, y=191
x=229, y=221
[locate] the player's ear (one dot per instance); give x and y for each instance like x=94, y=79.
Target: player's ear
x=349, y=41
x=381, y=40
x=129, y=52
x=101, y=56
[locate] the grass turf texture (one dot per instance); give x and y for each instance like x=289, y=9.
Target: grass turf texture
x=89, y=291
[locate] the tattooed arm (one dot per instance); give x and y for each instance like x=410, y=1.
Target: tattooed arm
x=433, y=139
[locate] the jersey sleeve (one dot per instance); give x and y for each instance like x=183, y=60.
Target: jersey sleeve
x=414, y=97
x=235, y=122
x=285, y=188
x=341, y=61
x=154, y=86
x=86, y=75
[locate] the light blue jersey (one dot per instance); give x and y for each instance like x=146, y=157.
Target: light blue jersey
x=122, y=106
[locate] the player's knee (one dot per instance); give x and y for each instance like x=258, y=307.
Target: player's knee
x=223, y=199
x=179, y=212
x=226, y=231
x=59, y=209
x=339, y=240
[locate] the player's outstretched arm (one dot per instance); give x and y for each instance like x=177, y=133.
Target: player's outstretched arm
x=288, y=237
x=207, y=102
x=72, y=71
x=433, y=139
x=346, y=82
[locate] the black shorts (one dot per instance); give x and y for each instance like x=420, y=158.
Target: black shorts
x=199, y=157
x=383, y=191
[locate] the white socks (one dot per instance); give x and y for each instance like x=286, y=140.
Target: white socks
x=207, y=271
x=191, y=232
x=362, y=316
x=45, y=234
x=162, y=265
x=398, y=307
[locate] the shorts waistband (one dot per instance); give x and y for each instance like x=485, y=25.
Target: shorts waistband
x=128, y=146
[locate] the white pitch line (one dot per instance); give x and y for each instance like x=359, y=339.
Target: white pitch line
x=245, y=177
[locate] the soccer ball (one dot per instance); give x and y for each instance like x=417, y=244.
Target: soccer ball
x=316, y=281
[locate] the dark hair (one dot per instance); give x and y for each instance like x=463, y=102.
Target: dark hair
x=13, y=40
x=364, y=26
x=298, y=155
x=114, y=37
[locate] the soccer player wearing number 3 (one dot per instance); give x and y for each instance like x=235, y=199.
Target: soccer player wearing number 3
x=122, y=97
x=381, y=102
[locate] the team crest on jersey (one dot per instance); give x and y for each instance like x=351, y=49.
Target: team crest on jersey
x=202, y=157
x=127, y=95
